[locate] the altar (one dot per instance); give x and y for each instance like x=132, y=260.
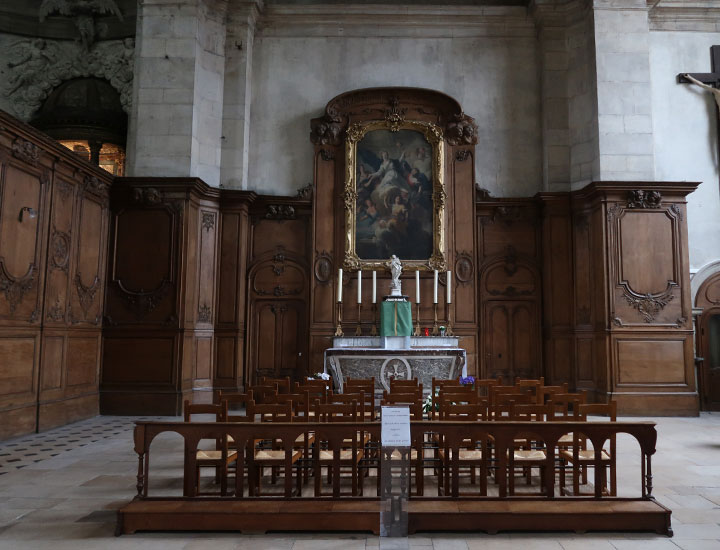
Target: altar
x=402, y=358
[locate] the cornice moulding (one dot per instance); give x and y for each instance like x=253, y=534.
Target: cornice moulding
x=377, y=20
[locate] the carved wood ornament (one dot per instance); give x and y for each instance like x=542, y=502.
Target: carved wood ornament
x=16, y=288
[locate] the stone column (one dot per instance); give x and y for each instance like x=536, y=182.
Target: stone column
x=236, y=109
x=178, y=90
x=625, y=128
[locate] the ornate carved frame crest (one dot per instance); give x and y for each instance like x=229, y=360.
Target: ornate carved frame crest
x=435, y=137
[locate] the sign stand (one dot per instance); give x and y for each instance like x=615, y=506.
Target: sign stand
x=394, y=471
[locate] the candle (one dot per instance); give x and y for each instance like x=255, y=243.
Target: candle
x=359, y=287
x=417, y=286
x=449, y=292
x=374, y=287
x=340, y=285
x=435, y=287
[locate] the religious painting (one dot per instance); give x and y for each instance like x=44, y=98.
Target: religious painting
x=394, y=195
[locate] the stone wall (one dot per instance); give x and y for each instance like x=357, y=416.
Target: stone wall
x=490, y=67
x=685, y=133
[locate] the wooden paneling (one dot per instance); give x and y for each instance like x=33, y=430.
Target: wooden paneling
x=53, y=250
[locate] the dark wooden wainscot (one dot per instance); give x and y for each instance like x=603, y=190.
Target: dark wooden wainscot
x=53, y=251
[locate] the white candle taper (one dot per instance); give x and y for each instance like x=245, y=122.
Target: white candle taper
x=340, y=285
x=417, y=286
x=449, y=291
x=374, y=294
x=359, y=301
x=435, y=287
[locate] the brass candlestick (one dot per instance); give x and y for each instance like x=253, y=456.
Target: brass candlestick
x=358, y=330
x=374, y=329
x=435, y=330
x=448, y=331
x=416, y=332
x=338, y=328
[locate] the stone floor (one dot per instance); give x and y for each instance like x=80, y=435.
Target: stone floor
x=60, y=489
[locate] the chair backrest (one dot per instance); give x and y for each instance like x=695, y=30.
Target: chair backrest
x=263, y=393
x=483, y=385
x=336, y=412
x=400, y=383
x=598, y=409
x=565, y=403
x=300, y=403
x=271, y=412
x=283, y=384
x=406, y=390
x=533, y=412
x=218, y=409
x=416, y=407
x=405, y=398
x=529, y=381
x=470, y=412
x=235, y=401
x=314, y=382
x=545, y=393
x=517, y=398
x=315, y=391
x=438, y=383
x=356, y=397
x=365, y=384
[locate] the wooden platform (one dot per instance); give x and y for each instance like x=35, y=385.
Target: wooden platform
x=491, y=515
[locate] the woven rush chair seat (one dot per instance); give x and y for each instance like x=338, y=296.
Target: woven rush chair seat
x=586, y=455
x=397, y=455
x=463, y=454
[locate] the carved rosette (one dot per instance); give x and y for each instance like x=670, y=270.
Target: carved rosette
x=462, y=155
x=326, y=130
x=323, y=267
x=306, y=193
x=94, y=186
x=462, y=130
x=208, y=220
x=649, y=305
x=644, y=199
x=16, y=288
x=280, y=212
x=26, y=151
x=56, y=312
x=59, y=250
x=204, y=314
x=86, y=294
x=464, y=267
x=142, y=303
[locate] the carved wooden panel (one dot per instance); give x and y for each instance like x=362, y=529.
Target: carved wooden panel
x=651, y=362
x=138, y=361
x=511, y=339
x=52, y=354
x=22, y=203
x=142, y=285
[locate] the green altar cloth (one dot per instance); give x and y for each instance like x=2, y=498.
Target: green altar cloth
x=395, y=319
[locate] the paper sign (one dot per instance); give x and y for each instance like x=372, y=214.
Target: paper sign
x=395, y=427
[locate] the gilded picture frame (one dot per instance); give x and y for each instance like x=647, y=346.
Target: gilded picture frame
x=394, y=195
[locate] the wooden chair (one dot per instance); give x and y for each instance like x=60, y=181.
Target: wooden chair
x=283, y=384
x=472, y=453
x=545, y=393
x=367, y=386
x=265, y=453
x=219, y=458
x=351, y=451
x=583, y=458
x=528, y=453
x=316, y=391
x=236, y=403
x=404, y=390
x=263, y=393
x=403, y=386
x=483, y=385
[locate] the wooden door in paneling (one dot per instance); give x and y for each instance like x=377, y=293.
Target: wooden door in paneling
x=510, y=340
x=710, y=368
x=278, y=348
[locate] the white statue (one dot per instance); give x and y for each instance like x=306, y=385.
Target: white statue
x=395, y=270
x=714, y=91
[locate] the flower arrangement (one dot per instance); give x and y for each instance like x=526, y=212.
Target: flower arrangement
x=467, y=380
x=428, y=403
x=319, y=376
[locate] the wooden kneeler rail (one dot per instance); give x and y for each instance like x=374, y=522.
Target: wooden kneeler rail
x=451, y=509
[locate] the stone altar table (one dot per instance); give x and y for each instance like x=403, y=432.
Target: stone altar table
x=421, y=357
